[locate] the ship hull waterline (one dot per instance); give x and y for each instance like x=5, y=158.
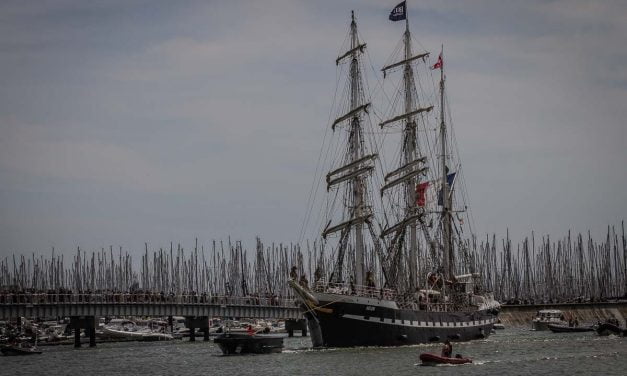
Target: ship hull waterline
x=350, y=325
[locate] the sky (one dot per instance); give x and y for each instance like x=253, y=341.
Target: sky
x=131, y=122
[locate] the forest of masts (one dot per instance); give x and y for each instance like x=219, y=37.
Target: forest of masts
x=572, y=268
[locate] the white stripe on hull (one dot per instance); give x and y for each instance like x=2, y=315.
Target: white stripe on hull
x=421, y=324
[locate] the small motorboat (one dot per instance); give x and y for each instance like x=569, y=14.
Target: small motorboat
x=545, y=317
x=608, y=328
x=429, y=359
x=556, y=328
x=128, y=330
x=242, y=343
x=19, y=350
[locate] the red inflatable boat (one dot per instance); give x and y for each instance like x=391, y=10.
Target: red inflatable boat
x=432, y=360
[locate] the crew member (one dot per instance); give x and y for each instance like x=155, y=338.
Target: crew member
x=250, y=330
x=447, y=349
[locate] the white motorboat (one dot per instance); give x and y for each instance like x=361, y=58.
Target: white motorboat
x=545, y=317
x=125, y=329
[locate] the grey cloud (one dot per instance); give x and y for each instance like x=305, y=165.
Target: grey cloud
x=130, y=122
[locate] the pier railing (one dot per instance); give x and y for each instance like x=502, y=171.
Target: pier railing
x=403, y=301
x=140, y=298
x=358, y=290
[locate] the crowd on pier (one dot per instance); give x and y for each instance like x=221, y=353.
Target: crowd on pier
x=62, y=296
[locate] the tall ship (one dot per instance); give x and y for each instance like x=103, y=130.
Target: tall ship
x=400, y=268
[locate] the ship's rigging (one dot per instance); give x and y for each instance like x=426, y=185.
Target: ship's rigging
x=377, y=221
x=393, y=276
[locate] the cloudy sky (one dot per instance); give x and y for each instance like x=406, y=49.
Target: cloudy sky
x=124, y=122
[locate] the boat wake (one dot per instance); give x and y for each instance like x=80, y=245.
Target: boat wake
x=614, y=354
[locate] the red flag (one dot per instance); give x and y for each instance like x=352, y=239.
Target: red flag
x=420, y=193
x=439, y=63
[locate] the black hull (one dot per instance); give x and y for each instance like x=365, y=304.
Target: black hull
x=18, y=351
x=569, y=329
x=349, y=325
x=232, y=344
x=607, y=329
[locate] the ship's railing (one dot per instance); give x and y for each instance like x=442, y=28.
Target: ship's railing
x=358, y=290
x=141, y=298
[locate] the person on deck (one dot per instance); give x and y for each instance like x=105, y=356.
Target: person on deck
x=304, y=282
x=250, y=330
x=370, y=280
x=447, y=349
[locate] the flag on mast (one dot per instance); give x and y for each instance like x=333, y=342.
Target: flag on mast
x=399, y=12
x=439, y=63
x=450, y=180
x=421, y=190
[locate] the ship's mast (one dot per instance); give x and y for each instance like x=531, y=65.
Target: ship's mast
x=409, y=135
x=446, y=199
x=353, y=174
x=406, y=176
x=355, y=134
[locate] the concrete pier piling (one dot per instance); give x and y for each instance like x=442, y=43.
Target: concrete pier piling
x=83, y=322
x=291, y=325
x=197, y=322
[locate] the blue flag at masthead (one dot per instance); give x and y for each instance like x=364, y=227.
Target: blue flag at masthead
x=399, y=12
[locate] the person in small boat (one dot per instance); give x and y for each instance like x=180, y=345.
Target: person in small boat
x=447, y=349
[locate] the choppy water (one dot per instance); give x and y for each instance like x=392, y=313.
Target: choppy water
x=508, y=352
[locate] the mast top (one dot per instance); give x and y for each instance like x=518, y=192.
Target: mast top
x=406, y=19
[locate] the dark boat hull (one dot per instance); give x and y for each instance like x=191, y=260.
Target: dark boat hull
x=349, y=325
x=569, y=329
x=237, y=343
x=17, y=351
x=607, y=329
x=433, y=359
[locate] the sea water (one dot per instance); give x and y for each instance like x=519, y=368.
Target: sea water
x=513, y=351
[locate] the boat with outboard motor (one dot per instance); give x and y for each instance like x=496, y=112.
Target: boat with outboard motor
x=19, y=349
x=557, y=328
x=544, y=317
x=610, y=328
x=243, y=343
x=429, y=359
